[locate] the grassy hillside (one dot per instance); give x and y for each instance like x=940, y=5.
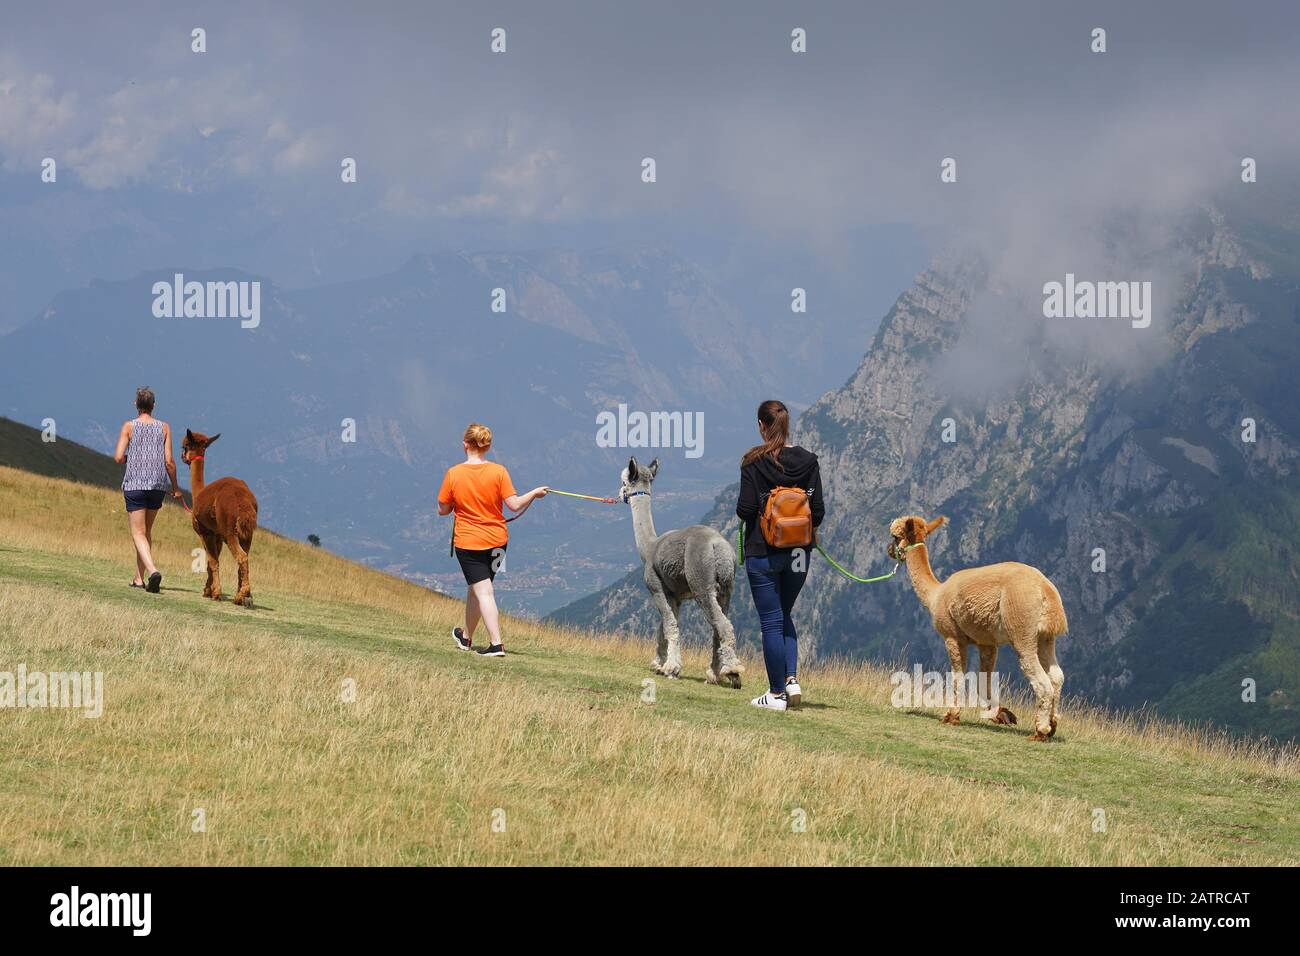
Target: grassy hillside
x=21, y=447
x=241, y=714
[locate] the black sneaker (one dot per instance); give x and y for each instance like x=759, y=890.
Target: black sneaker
x=463, y=642
x=494, y=650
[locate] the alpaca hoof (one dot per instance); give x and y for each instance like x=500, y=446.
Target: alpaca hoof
x=1004, y=716
x=1040, y=736
x=710, y=677
x=1052, y=732
x=953, y=719
x=731, y=676
x=672, y=672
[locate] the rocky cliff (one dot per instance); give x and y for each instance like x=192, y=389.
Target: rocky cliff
x=1125, y=473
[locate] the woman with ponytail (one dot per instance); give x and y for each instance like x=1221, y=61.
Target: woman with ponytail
x=776, y=574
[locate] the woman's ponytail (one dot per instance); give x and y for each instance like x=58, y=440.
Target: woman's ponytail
x=774, y=417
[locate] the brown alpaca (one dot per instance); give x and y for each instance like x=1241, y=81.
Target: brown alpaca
x=1007, y=603
x=223, y=511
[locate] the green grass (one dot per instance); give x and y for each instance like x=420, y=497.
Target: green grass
x=240, y=713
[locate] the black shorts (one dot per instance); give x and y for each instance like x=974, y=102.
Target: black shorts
x=137, y=500
x=480, y=565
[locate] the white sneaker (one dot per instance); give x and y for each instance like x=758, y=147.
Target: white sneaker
x=793, y=694
x=769, y=701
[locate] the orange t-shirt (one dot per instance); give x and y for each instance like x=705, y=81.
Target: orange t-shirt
x=475, y=493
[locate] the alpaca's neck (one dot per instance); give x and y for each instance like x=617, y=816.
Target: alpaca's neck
x=196, y=477
x=918, y=569
x=643, y=524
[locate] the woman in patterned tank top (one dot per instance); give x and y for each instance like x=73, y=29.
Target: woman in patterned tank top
x=145, y=446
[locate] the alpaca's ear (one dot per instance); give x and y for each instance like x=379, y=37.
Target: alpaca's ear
x=631, y=469
x=653, y=469
x=214, y=438
x=930, y=528
x=909, y=529
x=189, y=435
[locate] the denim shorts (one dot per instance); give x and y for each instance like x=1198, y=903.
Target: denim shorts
x=136, y=500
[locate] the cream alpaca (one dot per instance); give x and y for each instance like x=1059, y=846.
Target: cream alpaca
x=1007, y=603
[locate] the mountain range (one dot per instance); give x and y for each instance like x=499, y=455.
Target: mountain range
x=402, y=362
x=1159, y=491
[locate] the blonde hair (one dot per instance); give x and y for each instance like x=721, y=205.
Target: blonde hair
x=478, y=436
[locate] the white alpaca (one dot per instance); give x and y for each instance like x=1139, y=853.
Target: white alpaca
x=695, y=562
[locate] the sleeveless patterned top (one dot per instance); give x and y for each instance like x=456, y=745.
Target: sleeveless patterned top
x=146, y=467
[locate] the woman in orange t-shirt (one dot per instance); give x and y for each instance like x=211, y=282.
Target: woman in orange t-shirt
x=475, y=490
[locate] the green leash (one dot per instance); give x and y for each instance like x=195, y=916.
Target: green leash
x=740, y=559
x=854, y=577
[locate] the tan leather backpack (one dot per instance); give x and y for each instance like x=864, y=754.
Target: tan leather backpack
x=786, y=521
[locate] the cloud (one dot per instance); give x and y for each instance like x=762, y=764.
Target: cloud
x=1057, y=147
x=744, y=130
x=35, y=117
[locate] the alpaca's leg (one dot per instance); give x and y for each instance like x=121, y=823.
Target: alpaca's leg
x=671, y=657
x=731, y=666
x=1021, y=610
x=995, y=711
x=242, y=594
x=661, y=647
x=726, y=667
x=212, y=545
x=715, y=662
x=246, y=572
x=1047, y=658
x=957, y=647
x=246, y=542
x=1042, y=685
x=707, y=603
x=673, y=663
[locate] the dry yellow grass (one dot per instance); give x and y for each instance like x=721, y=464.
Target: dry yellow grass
x=242, y=714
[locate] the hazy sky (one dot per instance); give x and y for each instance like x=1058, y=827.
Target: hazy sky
x=236, y=151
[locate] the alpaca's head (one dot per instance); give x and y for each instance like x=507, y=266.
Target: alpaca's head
x=909, y=530
x=636, y=479
x=195, y=444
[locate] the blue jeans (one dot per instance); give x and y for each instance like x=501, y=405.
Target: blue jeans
x=775, y=587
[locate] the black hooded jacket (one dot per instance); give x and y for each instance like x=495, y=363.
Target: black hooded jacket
x=798, y=469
